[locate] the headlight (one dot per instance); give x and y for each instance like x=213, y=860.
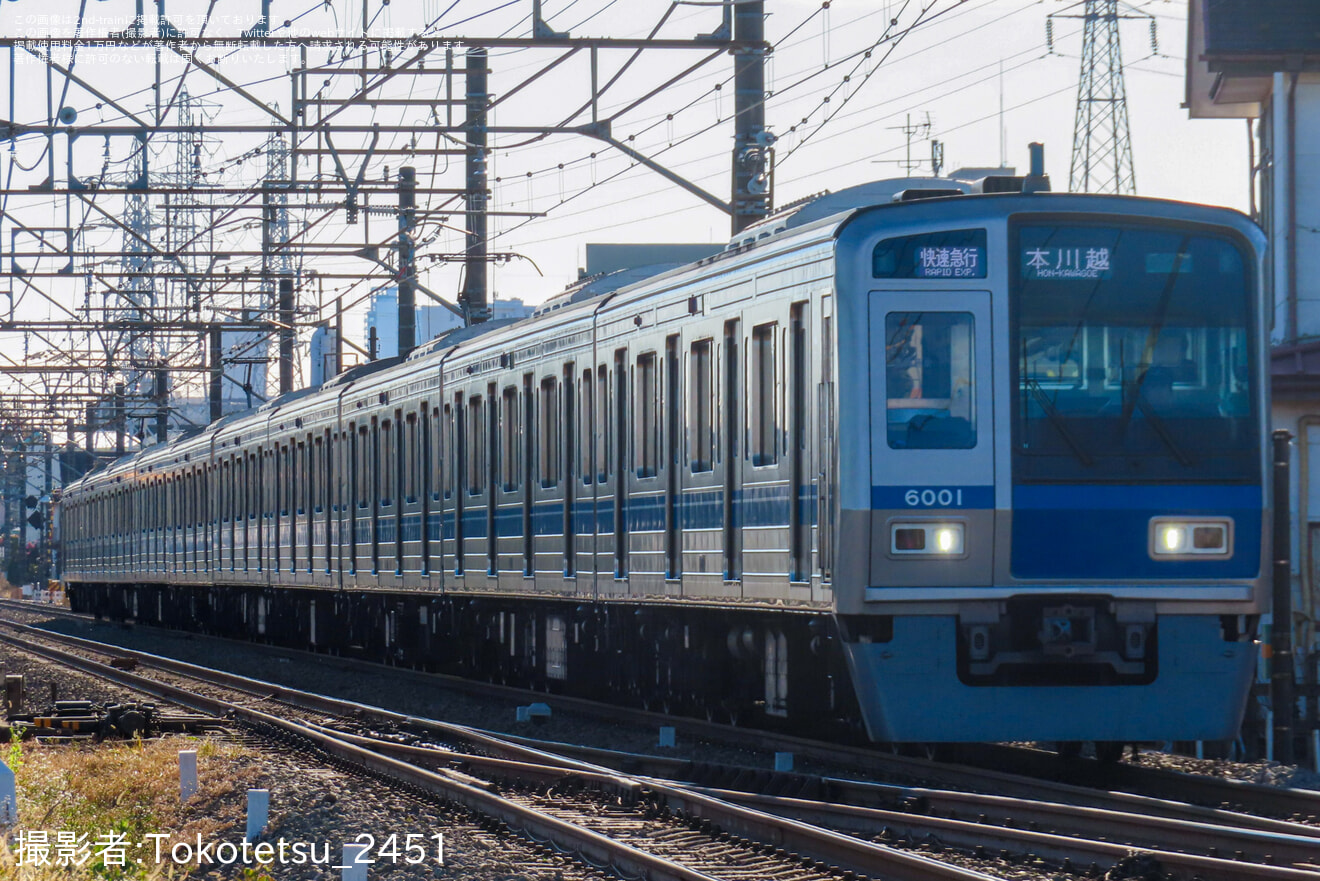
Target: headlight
x=926, y=539
x=1190, y=537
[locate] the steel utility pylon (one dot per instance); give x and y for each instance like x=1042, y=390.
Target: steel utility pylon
x=1102, y=142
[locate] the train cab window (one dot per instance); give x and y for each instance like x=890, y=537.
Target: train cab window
x=764, y=396
x=929, y=380
x=646, y=443
x=701, y=436
x=550, y=439
x=476, y=447
x=510, y=440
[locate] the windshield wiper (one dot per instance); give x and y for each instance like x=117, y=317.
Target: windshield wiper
x=1161, y=428
x=1047, y=406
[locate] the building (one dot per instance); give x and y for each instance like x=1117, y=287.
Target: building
x=1259, y=60
x=431, y=319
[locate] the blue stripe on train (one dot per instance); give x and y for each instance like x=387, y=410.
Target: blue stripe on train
x=697, y=509
x=1100, y=531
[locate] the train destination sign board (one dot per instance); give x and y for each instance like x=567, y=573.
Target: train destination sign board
x=1066, y=264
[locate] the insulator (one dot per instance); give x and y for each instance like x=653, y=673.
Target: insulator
x=1154, y=39
x=1049, y=34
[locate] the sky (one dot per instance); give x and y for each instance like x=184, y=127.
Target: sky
x=840, y=117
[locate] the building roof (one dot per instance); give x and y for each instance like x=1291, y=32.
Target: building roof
x=1234, y=48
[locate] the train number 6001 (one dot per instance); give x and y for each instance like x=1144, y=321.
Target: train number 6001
x=933, y=498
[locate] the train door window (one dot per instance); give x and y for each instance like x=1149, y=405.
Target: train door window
x=476, y=447
x=550, y=441
x=425, y=487
x=403, y=449
x=458, y=473
x=620, y=453
x=511, y=442
x=799, y=546
x=701, y=436
x=929, y=380
x=385, y=489
x=261, y=493
x=411, y=460
x=400, y=468
x=732, y=420
x=451, y=440
x=673, y=529
x=375, y=489
x=825, y=448
x=569, y=457
x=586, y=439
x=431, y=439
x=315, y=470
x=529, y=463
x=286, y=478
x=290, y=493
x=492, y=462
x=604, y=426
x=764, y=396
x=362, y=465
x=646, y=441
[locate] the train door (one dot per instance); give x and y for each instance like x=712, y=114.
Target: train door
x=932, y=464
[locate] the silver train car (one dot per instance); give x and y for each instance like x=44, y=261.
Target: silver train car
x=972, y=467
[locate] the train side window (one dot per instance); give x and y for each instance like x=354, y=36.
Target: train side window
x=585, y=434
x=550, y=442
x=316, y=469
x=604, y=425
x=511, y=461
x=362, y=455
x=431, y=440
x=476, y=448
x=764, y=396
x=384, y=464
x=452, y=464
x=412, y=459
x=701, y=437
x=930, y=381
x=284, y=479
x=646, y=441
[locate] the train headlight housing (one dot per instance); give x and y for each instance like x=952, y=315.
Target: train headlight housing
x=1184, y=537
x=932, y=539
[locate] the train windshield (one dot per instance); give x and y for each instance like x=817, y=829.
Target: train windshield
x=1134, y=356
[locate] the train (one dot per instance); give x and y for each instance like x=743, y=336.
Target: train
x=957, y=462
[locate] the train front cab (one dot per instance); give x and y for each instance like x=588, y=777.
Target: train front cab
x=1063, y=533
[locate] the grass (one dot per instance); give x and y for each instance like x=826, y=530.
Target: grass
x=122, y=789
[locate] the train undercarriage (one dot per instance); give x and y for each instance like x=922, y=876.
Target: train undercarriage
x=754, y=667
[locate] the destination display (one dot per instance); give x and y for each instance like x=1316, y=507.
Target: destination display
x=952, y=254
x=1061, y=264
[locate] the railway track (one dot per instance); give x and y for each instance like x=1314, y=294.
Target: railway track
x=638, y=828
x=1000, y=770
x=1062, y=835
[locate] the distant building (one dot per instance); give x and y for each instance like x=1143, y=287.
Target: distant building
x=324, y=355
x=432, y=320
